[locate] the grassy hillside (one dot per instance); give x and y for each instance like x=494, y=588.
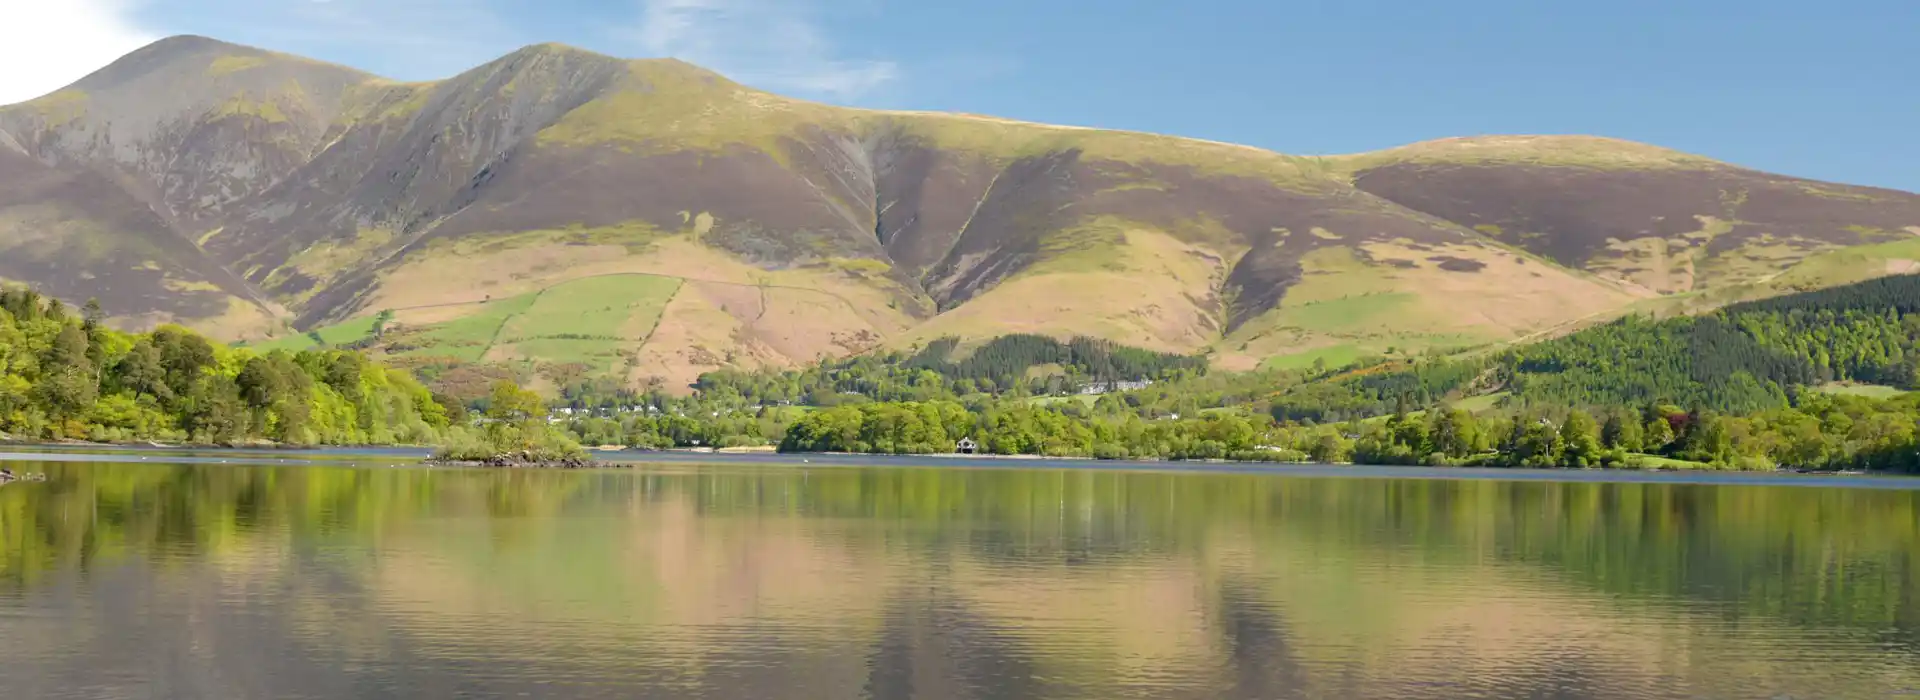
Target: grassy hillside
x=1819, y=380
x=1861, y=339
x=564, y=212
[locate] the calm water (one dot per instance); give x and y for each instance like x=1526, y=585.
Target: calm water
x=323, y=579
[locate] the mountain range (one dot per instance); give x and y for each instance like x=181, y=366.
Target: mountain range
x=557, y=207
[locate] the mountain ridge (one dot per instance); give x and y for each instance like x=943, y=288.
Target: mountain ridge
x=326, y=194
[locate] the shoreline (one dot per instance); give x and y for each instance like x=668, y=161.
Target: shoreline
x=407, y=455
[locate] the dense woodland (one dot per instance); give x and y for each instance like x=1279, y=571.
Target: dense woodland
x=1030, y=365
x=65, y=375
x=1737, y=388
x=1731, y=389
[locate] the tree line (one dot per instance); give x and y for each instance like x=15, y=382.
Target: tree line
x=1733, y=389
x=1024, y=365
x=64, y=375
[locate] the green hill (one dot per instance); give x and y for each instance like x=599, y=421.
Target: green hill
x=258, y=196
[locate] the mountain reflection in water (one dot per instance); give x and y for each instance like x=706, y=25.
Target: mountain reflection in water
x=759, y=581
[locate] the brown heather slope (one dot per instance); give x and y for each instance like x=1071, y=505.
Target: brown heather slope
x=1665, y=221
x=801, y=229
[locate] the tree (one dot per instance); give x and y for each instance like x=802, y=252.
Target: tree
x=140, y=372
x=69, y=349
x=1622, y=431
x=1708, y=441
x=1454, y=432
x=1330, y=448
x=343, y=373
x=261, y=383
x=1580, y=441
x=1535, y=443
x=67, y=391
x=92, y=316
x=1658, y=434
x=508, y=402
x=183, y=356
x=219, y=415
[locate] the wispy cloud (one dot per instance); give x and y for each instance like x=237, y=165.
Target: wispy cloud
x=46, y=44
x=775, y=44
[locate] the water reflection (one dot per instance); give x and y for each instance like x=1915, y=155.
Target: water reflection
x=197, y=580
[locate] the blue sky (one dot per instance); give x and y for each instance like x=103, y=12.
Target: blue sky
x=1829, y=89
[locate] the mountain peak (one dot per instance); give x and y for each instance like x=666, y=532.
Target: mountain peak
x=188, y=57
x=193, y=42
x=553, y=48
x=1536, y=149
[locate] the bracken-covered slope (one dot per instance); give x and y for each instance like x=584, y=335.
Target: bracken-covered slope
x=651, y=218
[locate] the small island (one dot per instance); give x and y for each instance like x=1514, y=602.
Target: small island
x=515, y=434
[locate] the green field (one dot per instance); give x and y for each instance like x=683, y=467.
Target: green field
x=342, y=333
x=1471, y=404
x=1359, y=311
x=600, y=306
x=1646, y=461
x=588, y=321
x=467, y=338
x=1085, y=400
x=1335, y=356
x=1482, y=403
x=1868, y=390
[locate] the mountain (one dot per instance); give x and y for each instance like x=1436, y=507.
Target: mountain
x=565, y=209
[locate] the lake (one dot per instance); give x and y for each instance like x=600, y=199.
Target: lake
x=170, y=574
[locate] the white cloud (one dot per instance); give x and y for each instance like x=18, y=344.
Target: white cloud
x=775, y=44
x=47, y=44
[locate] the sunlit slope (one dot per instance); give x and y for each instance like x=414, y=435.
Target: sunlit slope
x=311, y=194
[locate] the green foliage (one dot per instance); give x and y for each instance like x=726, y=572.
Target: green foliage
x=1000, y=367
x=1019, y=428
x=516, y=427
x=352, y=334
x=1744, y=358
x=67, y=377
x=466, y=338
x=1608, y=397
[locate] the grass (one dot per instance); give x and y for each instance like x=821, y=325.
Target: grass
x=1830, y=268
x=1003, y=140
x=1343, y=314
x=1335, y=356
x=1471, y=404
x=614, y=311
x=1874, y=391
x=593, y=306
x=1154, y=296
x=1482, y=403
x=636, y=236
x=60, y=108
x=1084, y=400
x=603, y=314
x=1576, y=151
x=1848, y=265
x=1647, y=461
x=468, y=338
x=667, y=105
x=234, y=64
x=347, y=331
